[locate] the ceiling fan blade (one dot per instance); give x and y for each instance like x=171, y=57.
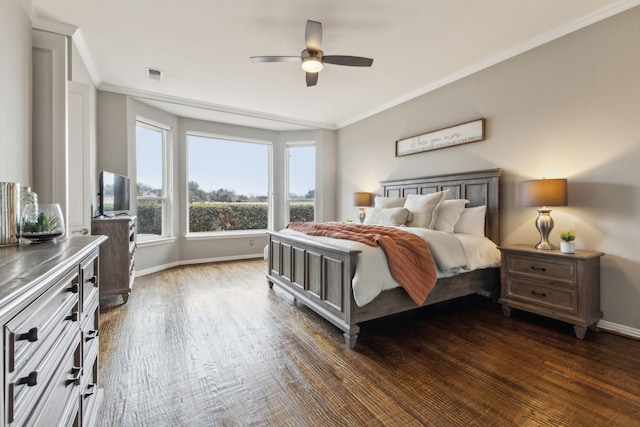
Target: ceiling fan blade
x=312, y=79
x=313, y=35
x=275, y=59
x=351, y=61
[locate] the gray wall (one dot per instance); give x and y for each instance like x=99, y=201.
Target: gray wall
x=570, y=108
x=117, y=115
x=15, y=87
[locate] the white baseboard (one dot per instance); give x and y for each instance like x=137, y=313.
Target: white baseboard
x=619, y=329
x=195, y=261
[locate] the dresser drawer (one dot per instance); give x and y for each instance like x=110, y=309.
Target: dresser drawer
x=541, y=294
x=89, y=270
x=91, y=395
x=31, y=333
x=90, y=314
x=556, y=270
x=60, y=403
x=32, y=384
x=90, y=345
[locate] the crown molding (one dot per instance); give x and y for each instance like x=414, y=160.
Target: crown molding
x=532, y=43
x=75, y=33
x=213, y=107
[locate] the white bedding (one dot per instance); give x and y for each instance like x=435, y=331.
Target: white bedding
x=452, y=253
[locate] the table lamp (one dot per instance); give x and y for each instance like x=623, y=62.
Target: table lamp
x=361, y=199
x=544, y=192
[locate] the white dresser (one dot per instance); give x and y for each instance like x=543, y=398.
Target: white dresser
x=49, y=309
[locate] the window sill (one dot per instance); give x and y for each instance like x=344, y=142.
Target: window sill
x=226, y=235
x=155, y=242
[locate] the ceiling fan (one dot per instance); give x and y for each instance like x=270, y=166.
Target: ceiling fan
x=313, y=58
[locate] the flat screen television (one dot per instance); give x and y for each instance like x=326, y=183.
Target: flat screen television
x=114, y=194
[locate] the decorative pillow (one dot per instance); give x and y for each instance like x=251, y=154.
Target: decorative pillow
x=448, y=214
x=423, y=208
x=471, y=221
x=389, y=202
x=391, y=216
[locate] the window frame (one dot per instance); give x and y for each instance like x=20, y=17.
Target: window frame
x=167, y=177
x=229, y=233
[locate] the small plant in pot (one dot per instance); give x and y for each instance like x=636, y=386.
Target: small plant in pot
x=567, y=246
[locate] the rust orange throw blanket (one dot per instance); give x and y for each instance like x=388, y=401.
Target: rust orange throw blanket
x=409, y=258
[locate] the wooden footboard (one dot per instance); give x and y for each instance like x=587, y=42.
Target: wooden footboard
x=317, y=275
x=320, y=277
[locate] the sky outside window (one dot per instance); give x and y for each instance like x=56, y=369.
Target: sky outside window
x=302, y=170
x=233, y=165
x=149, y=157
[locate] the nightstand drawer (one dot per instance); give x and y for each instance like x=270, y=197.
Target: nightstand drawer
x=540, y=294
x=557, y=270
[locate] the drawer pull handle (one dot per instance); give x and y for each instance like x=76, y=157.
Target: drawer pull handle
x=539, y=294
x=91, y=335
x=533, y=267
x=91, y=388
x=30, y=380
x=75, y=371
x=73, y=288
x=93, y=279
x=31, y=336
x=73, y=317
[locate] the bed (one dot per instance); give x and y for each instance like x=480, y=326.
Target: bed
x=320, y=275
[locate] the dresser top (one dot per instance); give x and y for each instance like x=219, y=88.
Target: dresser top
x=114, y=218
x=531, y=249
x=25, y=270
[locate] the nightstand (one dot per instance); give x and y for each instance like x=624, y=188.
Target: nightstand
x=561, y=286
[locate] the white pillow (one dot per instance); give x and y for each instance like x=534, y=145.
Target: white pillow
x=388, y=202
x=471, y=221
x=391, y=216
x=448, y=214
x=423, y=208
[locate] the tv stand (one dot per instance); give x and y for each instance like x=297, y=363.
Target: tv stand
x=117, y=254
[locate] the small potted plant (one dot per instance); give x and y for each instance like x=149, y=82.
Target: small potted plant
x=567, y=246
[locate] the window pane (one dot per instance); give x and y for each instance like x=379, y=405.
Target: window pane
x=228, y=185
x=151, y=182
x=149, y=162
x=150, y=213
x=302, y=183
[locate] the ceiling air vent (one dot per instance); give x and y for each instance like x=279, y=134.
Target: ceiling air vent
x=153, y=74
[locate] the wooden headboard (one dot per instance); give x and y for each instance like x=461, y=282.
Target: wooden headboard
x=480, y=188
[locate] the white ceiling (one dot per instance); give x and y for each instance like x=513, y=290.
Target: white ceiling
x=203, y=48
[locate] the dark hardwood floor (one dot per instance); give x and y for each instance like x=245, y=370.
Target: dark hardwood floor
x=212, y=345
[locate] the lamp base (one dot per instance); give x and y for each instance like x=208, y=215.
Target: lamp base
x=544, y=224
x=545, y=245
x=361, y=215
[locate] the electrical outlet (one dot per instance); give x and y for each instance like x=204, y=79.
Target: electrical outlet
x=251, y=242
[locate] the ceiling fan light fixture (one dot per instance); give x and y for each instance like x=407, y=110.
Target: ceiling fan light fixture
x=312, y=64
x=313, y=58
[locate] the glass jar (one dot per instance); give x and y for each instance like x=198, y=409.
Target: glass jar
x=28, y=207
x=49, y=225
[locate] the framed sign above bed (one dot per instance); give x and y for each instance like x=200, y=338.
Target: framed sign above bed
x=447, y=137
